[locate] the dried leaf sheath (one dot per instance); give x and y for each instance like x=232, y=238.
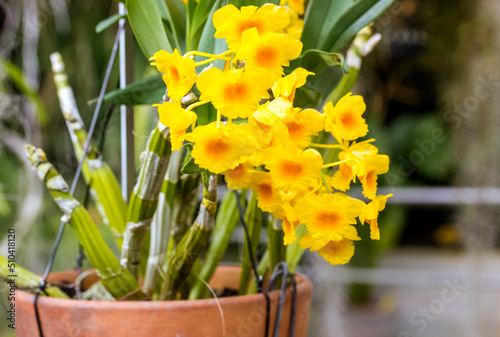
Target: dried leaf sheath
x=144, y=198
x=161, y=224
x=192, y=245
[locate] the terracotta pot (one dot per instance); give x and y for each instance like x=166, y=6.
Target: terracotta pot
x=243, y=316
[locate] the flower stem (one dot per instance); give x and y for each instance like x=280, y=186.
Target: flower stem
x=328, y=146
x=337, y=163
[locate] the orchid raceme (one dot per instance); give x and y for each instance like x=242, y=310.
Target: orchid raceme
x=240, y=98
x=265, y=143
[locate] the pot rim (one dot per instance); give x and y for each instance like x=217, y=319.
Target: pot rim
x=304, y=285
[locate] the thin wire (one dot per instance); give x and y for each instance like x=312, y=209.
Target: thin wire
x=97, y=110
x=258, y=278
x=249, y=243
x=282, y=269
x=43, y=282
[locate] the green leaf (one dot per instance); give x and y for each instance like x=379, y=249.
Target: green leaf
x=258, y=3
x=101, y=26
x=307, y=98
x=146, y=23
x=149, y=90
x=206, y=114
x=177, y=12
x=190, y=167
x=317, y=61
x=208, y=43
x=356, y=17
x=201, y=13
x=171, y=26
x=320, y=17
x=330, y=25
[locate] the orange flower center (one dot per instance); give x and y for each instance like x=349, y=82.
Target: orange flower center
x=265, y=192
x=329, y=219
x=247, y=25
x=266, y=56
x=236, y=91
x=295, y=129
x=334, y=247
x=174, y=73
x=216, y=148
x=348, y=118
x=291, y=169
x=371, y=178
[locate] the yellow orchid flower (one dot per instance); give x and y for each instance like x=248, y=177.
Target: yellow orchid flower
x=286, y=86
x=219, y=149
x=230, y=22
x=292, y=169
x=268, y=197
x=370, y=214
x=268, y=51
x=329, y=216
x=178, y=120
x=303, y=125
x=344, y=119
x=178, y=73
x=369, y=173
x=235, y=93
x=296, y=26
x=297, y=6
x=239, y=177
x=335, y=252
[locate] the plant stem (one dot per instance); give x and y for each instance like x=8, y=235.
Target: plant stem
x=26, y=280
x=160, y=226
x=294, y=252
x=104, y=187
x=144, y=199
x=192, y=245
x=277, y=250
x=225, y=223
x=185, y=204
x=117, y=280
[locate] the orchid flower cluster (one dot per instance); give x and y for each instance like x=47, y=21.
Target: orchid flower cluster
x=262, y=142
